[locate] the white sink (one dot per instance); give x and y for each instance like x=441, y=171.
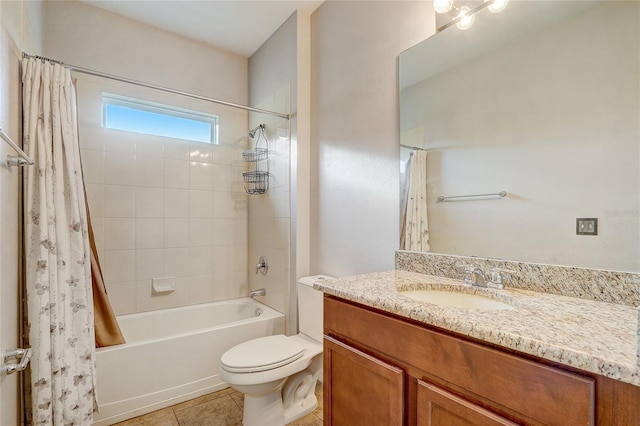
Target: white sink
x=456, y=299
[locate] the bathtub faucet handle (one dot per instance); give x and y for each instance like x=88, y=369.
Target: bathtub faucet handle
x=262, y=266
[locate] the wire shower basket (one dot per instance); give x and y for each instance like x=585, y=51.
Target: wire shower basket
x=256, y=182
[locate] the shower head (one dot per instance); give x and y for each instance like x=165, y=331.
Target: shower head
x=252, y=132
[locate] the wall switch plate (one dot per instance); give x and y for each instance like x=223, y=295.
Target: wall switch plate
x=587, y=226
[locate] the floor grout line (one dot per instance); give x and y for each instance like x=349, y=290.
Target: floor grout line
x=206, y=399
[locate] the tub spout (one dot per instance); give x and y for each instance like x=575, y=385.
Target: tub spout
x=258, y=292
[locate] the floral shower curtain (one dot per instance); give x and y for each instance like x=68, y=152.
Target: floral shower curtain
x=415, y=232
x=58, y=263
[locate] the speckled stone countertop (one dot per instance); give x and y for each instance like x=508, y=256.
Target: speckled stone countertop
x=594, y=336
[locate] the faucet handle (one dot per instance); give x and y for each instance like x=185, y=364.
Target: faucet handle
x=467, y=271
x=262, y=266
x=497, y=276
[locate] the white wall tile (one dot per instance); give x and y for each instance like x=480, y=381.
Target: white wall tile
x=201, y=204
x=221, y=177
x=118, y=265
x=202, y=152
x=240, y=257
x=149, y=264
x=119, y=168
x=95, y=198
x=229, y=285
x=224, y=206
x=149, y=171
x=176, y=173
x=225, y=154
x=120, y=141
x=281, y=204
x=201, y=289
x=149, y=233
x=91, y=137
x=201, y=260
x=149, y=202
x=176, y=262
x=176, y=203
x=201, y=232
x=281, y=233
x=178, y=150
x=119, y=201
x=223, y=232
x=119, y=234
x=200, y=176
x=223, y=259
x=240, y=231
x=97, y=225
x=149, y=147
x=92, y=165
x=122, y=297
x=176, y=232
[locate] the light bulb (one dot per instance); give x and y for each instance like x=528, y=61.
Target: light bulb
x=498, y=5
x=443, y=6
x=466, y=20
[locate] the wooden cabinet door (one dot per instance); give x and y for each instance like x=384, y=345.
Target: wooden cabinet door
x=360, y=389
x=437, y=407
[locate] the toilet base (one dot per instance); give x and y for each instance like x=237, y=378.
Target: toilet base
x=294, y=399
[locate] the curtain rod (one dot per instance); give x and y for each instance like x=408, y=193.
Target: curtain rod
x=153, y=86
x=412, y=147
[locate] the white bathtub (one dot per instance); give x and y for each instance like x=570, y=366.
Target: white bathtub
x=173, y=355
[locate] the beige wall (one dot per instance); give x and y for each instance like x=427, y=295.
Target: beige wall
x=18, y=30
x=85, y=36
x=355, y=130
x=162, y=207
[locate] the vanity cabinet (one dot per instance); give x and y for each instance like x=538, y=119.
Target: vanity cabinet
x=366, y=390
x=436, y=406
x=381, y=369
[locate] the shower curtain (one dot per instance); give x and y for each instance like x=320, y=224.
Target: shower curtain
x=58, y=260
x=415, y=230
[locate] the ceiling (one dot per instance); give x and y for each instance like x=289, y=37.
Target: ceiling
x=240, y=26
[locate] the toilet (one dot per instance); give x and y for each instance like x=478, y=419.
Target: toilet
x=278, y=374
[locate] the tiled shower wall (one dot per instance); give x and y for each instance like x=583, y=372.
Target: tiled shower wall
x=163, y=207
x=270, y=214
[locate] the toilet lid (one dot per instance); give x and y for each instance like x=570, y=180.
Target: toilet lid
x=264, y=353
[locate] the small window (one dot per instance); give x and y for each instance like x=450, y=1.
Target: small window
x=134, y=115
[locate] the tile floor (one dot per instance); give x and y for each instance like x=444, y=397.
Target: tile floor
x=222, y=408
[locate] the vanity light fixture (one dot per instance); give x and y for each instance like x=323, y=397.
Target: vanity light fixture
x=443, y=6
x=498, y=5
x=464, y=16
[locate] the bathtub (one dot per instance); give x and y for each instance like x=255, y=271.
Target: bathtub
x=173, y=355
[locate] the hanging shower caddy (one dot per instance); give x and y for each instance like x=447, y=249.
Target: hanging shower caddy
x=256, y=181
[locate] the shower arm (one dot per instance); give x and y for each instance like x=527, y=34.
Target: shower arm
x=252, y=132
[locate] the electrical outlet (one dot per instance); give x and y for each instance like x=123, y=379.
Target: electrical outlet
x=586, y=226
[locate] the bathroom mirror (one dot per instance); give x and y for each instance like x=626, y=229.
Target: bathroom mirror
x=541, y=101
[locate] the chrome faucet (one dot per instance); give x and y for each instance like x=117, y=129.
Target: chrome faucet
x=258, y=292
x=478, y=278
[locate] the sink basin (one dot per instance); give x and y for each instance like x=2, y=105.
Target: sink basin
x=456, y=299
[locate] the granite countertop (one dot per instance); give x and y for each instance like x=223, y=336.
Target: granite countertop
x=597, y=337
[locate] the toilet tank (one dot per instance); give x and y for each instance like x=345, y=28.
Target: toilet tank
x=310, y=318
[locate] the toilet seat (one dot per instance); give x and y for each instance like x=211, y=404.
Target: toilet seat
x=262, y=354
